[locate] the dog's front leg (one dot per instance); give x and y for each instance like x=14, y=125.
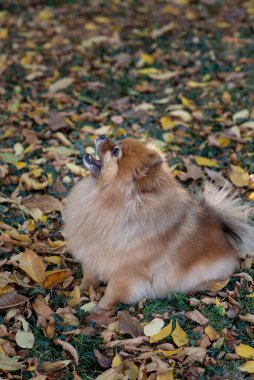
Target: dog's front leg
x=89, y=279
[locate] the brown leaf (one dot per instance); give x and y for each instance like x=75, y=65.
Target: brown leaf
x=247, y=317
x=46, y=203
x=11, y=299
x=68, y=347
x=55, y=277
x=128, y=324
x=196, y=316
x=60, y=84
x=33, y=265
x=55, y=366
x=41, y=308
x=104, y=361
x=56, y=121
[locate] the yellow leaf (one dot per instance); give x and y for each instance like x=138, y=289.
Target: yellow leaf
x=212, y=333
x=20, y=165
x=245, y=351
x=224, y=141
x=167, y=123
x=188, y=103
x=166, y=331
x=148, y=71
x=247, y=367
x=239, y=177
x=168, y=137
x=75, y=169
x=56, y=244
x=218, y=285
x=45, y=14
x=75, y=297
x=147, y=58
x=154, y=327
x=168, y=353
x=179, y=336
x=166, y=375
x=193, y=84
x=181, y=114
x=226, y=98
x=54, y=259
x=117, y=361
x=88, y=307
x=203, y=161
x=55, y=277
x=3, y=33
x=33, y=265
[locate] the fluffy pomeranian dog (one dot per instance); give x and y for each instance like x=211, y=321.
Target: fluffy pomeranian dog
x=133, y=227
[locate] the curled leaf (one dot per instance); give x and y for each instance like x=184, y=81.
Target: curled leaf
x=154, y=327
x=68, y=347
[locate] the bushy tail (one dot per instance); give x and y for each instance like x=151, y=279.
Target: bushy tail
x=233, y=215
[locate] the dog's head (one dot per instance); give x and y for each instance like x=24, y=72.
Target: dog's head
x=128, y=161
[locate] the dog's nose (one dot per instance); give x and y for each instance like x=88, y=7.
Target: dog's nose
x=102, y=137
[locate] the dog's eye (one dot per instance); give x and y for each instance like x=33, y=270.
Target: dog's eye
x=115, y=152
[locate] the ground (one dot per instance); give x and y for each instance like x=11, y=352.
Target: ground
x=177, y=73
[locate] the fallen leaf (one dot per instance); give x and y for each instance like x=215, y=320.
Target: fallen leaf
x=68, y=347
x=212, y=333
x=116, y=362
x=25, y=339
x=46, y=203
x=41, y=308
x=104, y=361
x=55, y=277
x=60, y=84
x=167, y=123
x=88, y=307
x=11, y=299
x=166, y=331
x=154, y=327
x=181, y=114
x=247, y=366
x=77, y=170
x=166, y=375
x=238, y=176
x=243, y=114
x=128, y=324
x=247, y=317
x=203, y=161
x=179, y=336
x=194, y=354
x=218, y=285
x=10, y=364
x=55, y=366
x=32, y=265
x=196, y=316
x=32, y=184
x=244, y=351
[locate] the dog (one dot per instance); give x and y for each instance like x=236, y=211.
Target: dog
x=134, y=228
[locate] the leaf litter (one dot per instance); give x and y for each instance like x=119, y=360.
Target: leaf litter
x=183, y=81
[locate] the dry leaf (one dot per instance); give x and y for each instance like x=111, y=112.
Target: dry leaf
x=117, y=361
x=33, y=265
x=166, y=331
x=247, y=366
x=41, y=308
x=46, y=203
x=10, y=364
x=55, y=277
x=238, y=176
x=61, y=84
x=89, y=307
x=218, y=285
x=196, y=316
x=11, y=299
x=181, y=114
x=68, y=347
x=212, y=333
x=102, y=360
x=244, y=351
x=247, y=317
x=154, y=327
x=179, y=336
x=128, y=324
x=25, y=339
x=203, y=161
x=55, y=366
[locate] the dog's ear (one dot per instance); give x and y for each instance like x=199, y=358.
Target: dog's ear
x=148, y=179
x=154, y=160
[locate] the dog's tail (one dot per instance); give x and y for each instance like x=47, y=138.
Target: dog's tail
x=233, y=215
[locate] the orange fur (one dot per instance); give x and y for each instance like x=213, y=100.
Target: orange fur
x=137, y=230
